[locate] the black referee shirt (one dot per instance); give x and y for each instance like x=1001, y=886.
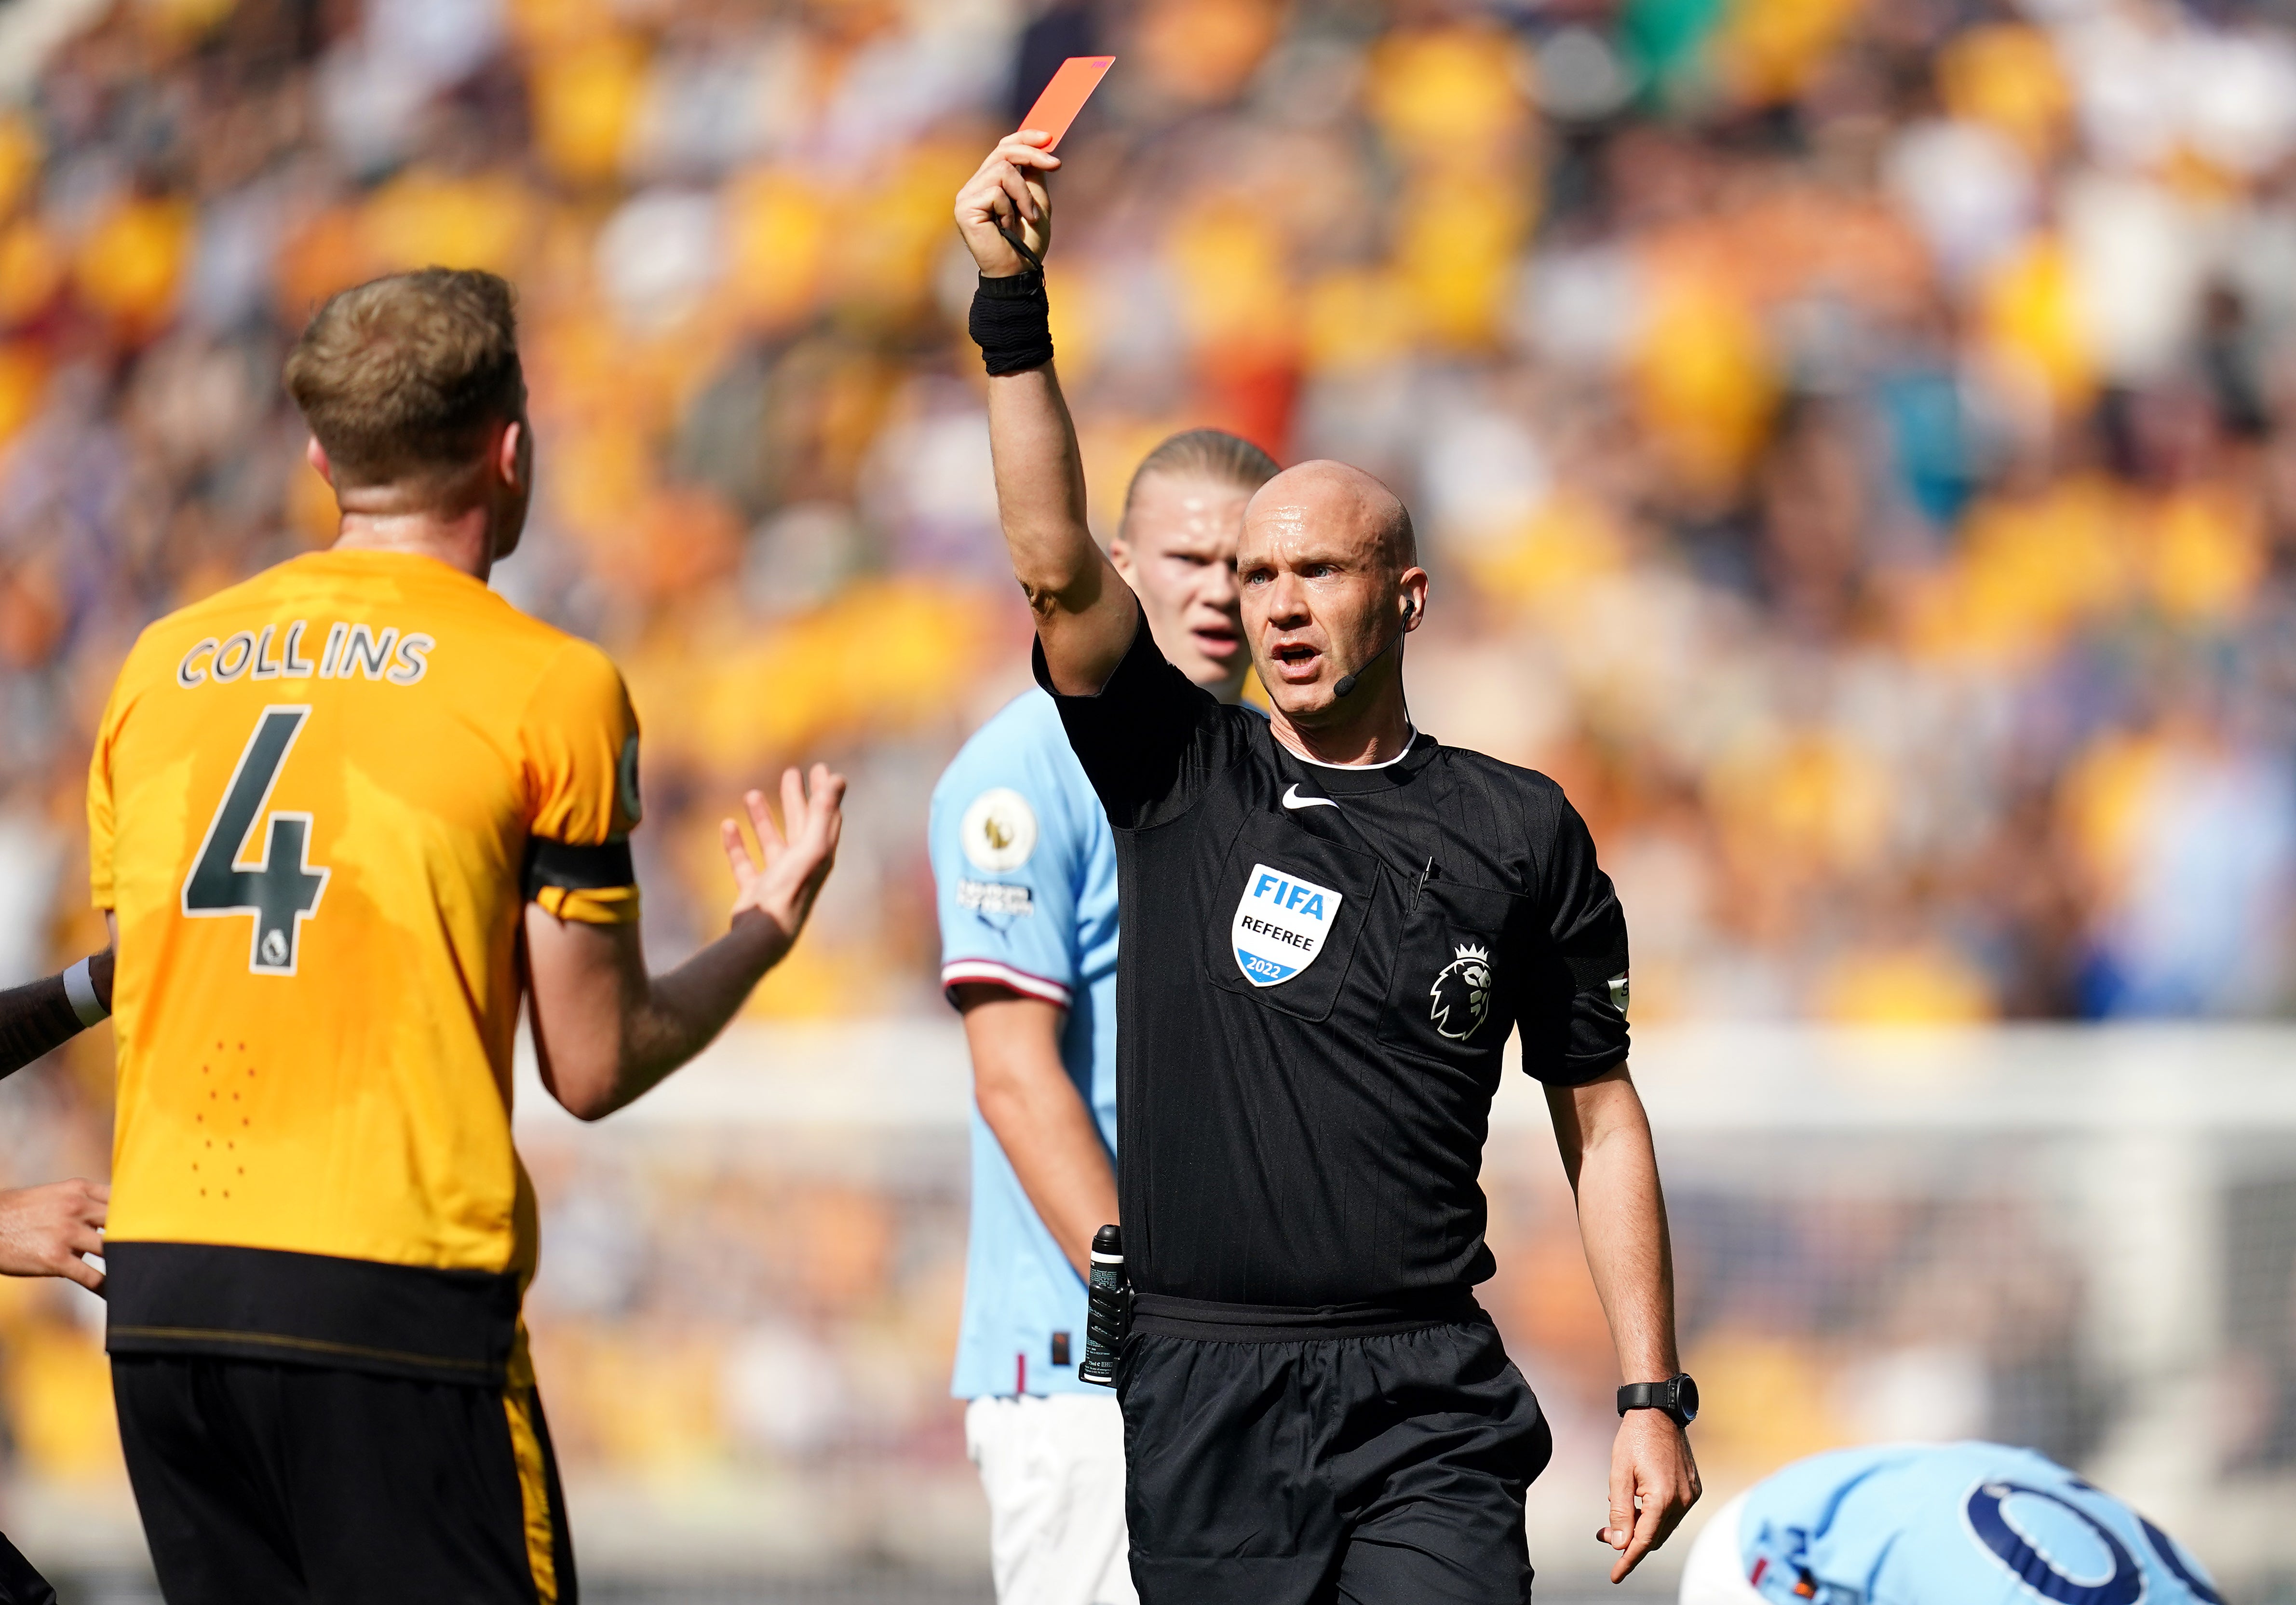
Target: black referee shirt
x=1319, y=969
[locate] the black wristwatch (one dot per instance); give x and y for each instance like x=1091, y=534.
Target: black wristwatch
x=1678, y=1396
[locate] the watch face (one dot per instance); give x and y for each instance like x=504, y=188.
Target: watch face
x=1685, y=1398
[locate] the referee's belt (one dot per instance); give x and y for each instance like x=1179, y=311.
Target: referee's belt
x=1201, y=1317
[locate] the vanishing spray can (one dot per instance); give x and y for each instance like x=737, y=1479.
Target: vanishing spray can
x=1110, y=1313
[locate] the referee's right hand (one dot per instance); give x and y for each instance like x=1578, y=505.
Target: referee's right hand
x=1008, y=190
x=44, y=1231
x=1653, y=1482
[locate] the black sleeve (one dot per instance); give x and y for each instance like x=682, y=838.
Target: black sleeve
x=1573, y=1014
x=38, y=1018
x=1148, y=739
x=19, y=1582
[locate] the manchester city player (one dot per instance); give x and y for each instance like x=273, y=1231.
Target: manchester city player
x=1331, y=924
x=1026, y=871
x=1936, y=1524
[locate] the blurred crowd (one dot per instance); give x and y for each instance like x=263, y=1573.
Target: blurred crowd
x=1855, y=443
x=1850, y=438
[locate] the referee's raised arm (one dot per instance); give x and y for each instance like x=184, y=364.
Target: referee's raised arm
x=1085, y=614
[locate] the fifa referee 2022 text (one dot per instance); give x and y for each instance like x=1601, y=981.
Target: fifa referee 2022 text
x=1331, y=924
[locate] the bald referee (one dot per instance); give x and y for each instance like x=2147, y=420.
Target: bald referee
x=1331, y=923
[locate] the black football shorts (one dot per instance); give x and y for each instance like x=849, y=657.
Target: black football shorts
x=293, y=1484
x=1265, y=1466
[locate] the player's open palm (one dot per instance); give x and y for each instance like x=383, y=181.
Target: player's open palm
x=44, y=1231
x=1008, y=193
x=796, y=861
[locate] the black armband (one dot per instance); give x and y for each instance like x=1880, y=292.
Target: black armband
x=1012, y=323
x=35, y=1020
x=571, y=866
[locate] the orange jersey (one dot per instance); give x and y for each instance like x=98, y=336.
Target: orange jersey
x=318, y=805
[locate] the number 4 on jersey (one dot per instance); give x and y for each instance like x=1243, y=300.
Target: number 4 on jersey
x=280, y=889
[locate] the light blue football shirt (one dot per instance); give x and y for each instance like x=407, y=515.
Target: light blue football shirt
x=1955, y=1524
x=1024, y=869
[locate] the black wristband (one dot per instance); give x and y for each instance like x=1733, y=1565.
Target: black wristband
x=1012, y=323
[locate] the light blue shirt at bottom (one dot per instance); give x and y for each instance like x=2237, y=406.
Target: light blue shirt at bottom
x=1955, y=1524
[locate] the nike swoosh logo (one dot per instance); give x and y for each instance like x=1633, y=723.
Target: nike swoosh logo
x=1293, y=799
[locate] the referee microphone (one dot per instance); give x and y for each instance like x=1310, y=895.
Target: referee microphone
x=1347, y=682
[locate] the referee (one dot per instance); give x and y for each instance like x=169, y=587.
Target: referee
x=1331, y=923
x=1025, y=870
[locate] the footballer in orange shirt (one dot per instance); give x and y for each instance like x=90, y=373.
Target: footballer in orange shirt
x=344, y=817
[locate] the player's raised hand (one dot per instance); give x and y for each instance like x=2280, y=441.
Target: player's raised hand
x=1654, y=1483
x=783, y=887
x=44, y=1231
x=1009, y=191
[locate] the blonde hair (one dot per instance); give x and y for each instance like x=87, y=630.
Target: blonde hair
x=1212, y=453
x=400, y=377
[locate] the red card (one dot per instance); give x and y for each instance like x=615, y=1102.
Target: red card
x=1057, y=107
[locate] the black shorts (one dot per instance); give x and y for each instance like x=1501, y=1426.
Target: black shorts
x=1267, y=1466
x=293, y=1484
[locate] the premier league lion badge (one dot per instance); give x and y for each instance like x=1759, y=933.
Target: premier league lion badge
x=1460, y=1000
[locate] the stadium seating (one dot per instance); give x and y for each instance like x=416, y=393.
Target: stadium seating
x=1854, y=451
